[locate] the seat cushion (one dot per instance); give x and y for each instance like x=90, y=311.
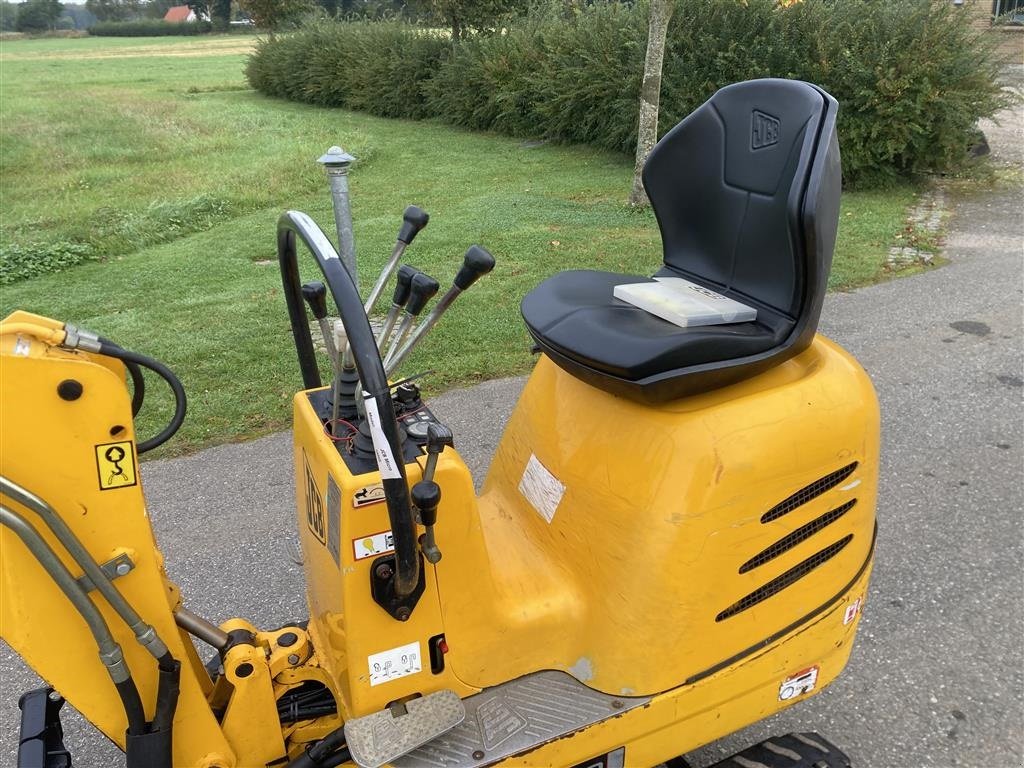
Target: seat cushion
x=574, y=315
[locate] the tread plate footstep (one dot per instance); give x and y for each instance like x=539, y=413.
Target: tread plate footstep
x=386, y=735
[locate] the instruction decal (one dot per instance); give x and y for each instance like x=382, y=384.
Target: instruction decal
x=371, y=494
x=315, y=517
x=389, y=469
x=376, y=544
x=333, y=519
x=541, y=488
x=398, y=662
x=802, y=682
x=115, y=465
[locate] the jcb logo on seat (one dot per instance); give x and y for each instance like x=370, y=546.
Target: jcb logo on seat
x=314, y=506
x=764, y=131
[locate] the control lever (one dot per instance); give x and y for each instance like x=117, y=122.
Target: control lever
x=429, y=496
x=413, y=220
x=315, y=294
x=403, y=286
x=422, y=290
x=475, y=264
x=438, y=436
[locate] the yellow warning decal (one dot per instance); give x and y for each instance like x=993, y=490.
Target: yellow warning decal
x=115, y=465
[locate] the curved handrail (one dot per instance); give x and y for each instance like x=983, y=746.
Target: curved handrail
x=387, y=443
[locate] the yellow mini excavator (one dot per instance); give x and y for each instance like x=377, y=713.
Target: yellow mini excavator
x=673, y=541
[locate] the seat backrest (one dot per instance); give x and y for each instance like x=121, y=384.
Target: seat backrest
x=746, y=193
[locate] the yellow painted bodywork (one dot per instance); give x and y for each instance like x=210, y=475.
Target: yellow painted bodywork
x=622, y=588
x=47, y=445
x=659, y=508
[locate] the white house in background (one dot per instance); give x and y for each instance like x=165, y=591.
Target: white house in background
x=180, y=13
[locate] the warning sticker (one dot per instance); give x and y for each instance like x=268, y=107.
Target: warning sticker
x=800, y=683
x=22, y=347
x=852, y=610
x=541, y=488
x=376, y=544
x=396, y=663
x=371, y=494
x=115, y=465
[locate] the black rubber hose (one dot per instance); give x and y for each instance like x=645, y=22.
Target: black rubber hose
x=180, y=401
x=132, y=706
x=167, y=693
x=138, y=382
x=319, y=755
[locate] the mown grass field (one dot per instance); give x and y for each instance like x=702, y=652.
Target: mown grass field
x=155, y=155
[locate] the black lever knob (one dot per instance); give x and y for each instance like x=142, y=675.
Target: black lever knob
x=423, y=289
x=315, y=294
x=413, y=220
x=438, y=436
x=403, y=284
x=426, y=496
x=477, y=262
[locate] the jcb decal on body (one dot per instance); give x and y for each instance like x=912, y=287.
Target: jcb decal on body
x=315, y=517
x=115, y=465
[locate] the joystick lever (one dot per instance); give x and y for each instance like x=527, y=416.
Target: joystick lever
x=426, y=494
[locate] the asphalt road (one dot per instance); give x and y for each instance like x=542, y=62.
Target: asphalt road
x=937, y=675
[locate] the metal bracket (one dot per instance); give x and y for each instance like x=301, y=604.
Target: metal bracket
x=121, y=565
x=382, y=588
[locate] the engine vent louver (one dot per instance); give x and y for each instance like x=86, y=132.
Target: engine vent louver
x=815, y=489
x=791, y=576
x=800, y=534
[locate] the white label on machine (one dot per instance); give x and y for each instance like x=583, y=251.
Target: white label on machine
x=22, y=347
x=542, y=489
x=385, y=459
x=396, y=663
x=370, y=546
x=800, y=683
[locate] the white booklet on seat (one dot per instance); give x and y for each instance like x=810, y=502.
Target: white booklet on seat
x=684, y=303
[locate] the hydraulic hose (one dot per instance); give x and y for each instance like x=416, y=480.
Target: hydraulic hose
x=109, y=651
x=138, y=382
x=144, y=633
x=180, y=401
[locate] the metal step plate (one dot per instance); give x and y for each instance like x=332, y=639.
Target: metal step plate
x=383, y=736
x=516, y=716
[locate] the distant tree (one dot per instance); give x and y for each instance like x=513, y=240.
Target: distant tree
x=650, y=93
x=38, y=15
x=114, y=10
x=8, y=16
x=157, y=9
x=271, y=15
x=79, y=15
x=464, y=15
x=221, y=16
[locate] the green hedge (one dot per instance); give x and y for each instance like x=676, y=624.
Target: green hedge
x=149, y=28
x=911, y=77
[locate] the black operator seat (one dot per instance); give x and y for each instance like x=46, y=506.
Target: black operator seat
x=746, y=194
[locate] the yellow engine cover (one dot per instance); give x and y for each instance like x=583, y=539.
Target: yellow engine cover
x=641, y=548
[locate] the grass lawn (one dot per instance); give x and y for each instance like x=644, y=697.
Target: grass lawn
x=154, y=155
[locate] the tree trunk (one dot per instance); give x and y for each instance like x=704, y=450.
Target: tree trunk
x=650, y=93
